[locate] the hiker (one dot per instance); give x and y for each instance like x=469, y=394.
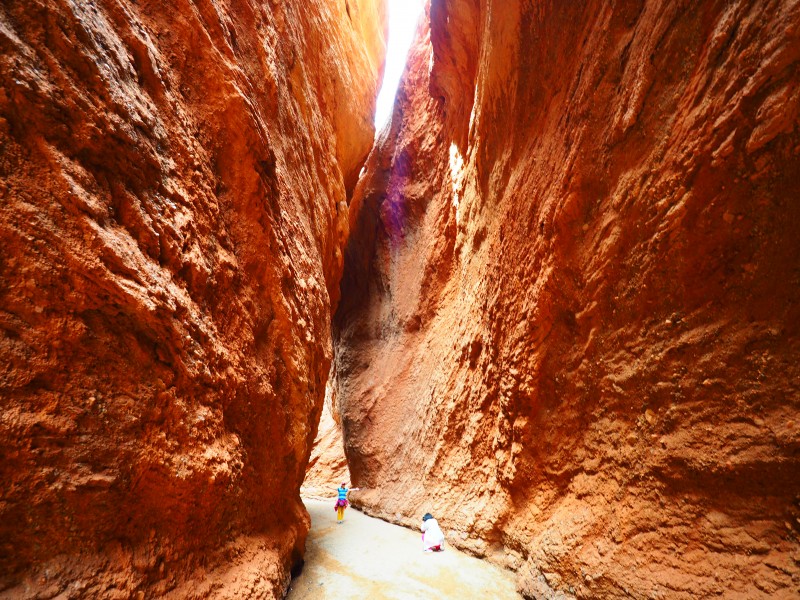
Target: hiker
x=341, y=501
x=432, y=536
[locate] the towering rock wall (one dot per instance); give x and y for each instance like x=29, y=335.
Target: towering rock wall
x=172, y=216
x=570, y=312
x=327, y=466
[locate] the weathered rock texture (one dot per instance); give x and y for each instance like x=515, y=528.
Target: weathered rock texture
x=172, y=215
x=327, y=466
x=570, y=311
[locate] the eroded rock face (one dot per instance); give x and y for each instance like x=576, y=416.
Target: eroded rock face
x=173, y=211
x=327, y=467
x=569, y=325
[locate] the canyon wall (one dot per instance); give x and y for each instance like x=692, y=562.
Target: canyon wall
x=570, y=312
x=172, y=218
x=327, y=467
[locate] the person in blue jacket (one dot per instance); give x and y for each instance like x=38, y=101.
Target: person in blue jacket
x=341, y=501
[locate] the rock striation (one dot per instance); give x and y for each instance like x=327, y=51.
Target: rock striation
x=173, y=209
x=570, y=308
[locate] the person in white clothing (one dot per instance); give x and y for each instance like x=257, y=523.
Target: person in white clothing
x=432, y=536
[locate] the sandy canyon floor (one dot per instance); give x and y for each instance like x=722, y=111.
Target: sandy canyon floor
x=369, y=558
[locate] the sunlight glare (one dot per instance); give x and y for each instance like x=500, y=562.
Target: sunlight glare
x=457, y=178
x=403, y=18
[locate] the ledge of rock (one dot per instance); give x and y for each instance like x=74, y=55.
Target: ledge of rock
x=174, y=207
x=570, y=312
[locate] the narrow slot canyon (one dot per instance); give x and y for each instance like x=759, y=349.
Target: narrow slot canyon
x=554, y=301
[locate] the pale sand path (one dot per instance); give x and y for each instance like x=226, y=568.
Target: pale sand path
x=368, y=559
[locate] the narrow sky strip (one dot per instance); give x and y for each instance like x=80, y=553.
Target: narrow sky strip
x=403, y=18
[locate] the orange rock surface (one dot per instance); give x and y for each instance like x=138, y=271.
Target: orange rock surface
x=172, y=216
x=327, y=467
x=570, y=314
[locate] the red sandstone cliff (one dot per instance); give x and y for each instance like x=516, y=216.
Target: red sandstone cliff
x=327, y=466
x=172, y=215
x=570, y=312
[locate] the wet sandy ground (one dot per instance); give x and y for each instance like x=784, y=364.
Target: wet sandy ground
x=366, y=558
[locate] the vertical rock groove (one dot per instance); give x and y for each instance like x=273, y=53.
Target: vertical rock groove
x=569, y=317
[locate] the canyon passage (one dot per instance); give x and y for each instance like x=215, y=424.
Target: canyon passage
x=367, y=559
x=553, y=302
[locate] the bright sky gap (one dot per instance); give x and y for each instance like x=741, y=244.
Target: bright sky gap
x=403, y=18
